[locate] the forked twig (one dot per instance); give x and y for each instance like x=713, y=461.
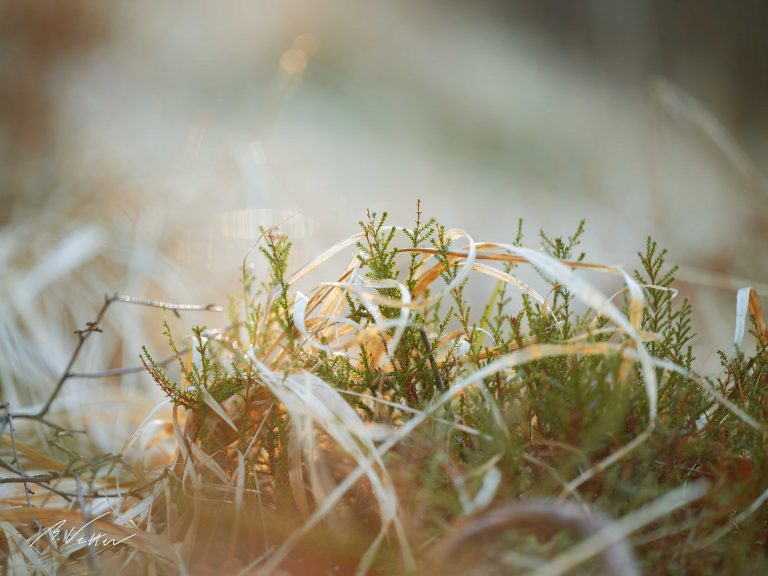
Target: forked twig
x=91, y=327
x=85, y=333
x=82, y=336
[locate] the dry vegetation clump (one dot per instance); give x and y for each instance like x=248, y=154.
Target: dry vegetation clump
x=383, y=422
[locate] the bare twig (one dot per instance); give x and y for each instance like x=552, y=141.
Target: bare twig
x=115, y=372
x=36, y=479
x=84, y=334
x=9, y=419
x=43, y=479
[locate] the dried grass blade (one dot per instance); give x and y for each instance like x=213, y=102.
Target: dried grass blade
x=748, y=302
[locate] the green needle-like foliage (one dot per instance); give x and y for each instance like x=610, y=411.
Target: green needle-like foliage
x=562, y=410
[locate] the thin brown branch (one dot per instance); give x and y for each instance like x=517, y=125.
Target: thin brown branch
x=16, y=459
x=85, y=333
x=115, y=372
x=42, y=480
x=36, y=479
x=439, y=384
x=82, y=336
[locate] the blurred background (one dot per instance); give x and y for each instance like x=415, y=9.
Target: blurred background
x=142, y=144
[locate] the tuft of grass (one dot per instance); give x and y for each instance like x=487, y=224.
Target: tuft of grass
x=386, y=422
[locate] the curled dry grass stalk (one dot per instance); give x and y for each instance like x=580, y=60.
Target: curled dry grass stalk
x=377, y=423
